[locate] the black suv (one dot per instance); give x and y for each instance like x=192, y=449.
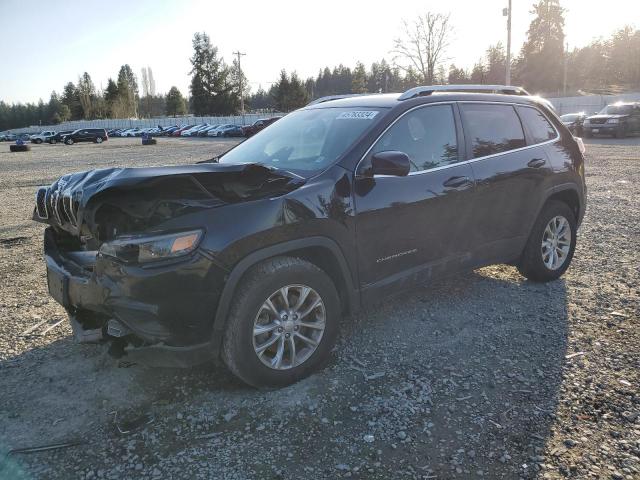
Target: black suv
x=258, y=125
x=618, y=119
x=342, y=202
x=95, y=135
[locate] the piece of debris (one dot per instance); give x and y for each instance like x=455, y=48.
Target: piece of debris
x=129, y=426
x=44, y=448
x=230, y=415
x=369, y=438
x=33, y=327
x=373, y=376
x=577, y=354
x=462, y=399
x=52, y=326
x=625, y=382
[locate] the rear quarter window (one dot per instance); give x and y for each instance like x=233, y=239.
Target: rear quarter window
x=491, y=128
x=540, y=129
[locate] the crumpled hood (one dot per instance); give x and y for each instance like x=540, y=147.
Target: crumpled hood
x=90, y=203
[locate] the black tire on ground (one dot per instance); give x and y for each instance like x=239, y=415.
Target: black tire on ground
x=53, y=141
x=257, y=286
x=69, y=141
x=588, y=134
x=620, y=133
x=38, y=141
x=151, y=141
x=19, y=148
x=98, y=140
x=531, y=263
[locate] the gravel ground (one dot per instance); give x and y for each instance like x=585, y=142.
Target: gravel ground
x=483, y=375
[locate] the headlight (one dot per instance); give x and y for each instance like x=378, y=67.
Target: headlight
x=613, y=120
x=144, y=249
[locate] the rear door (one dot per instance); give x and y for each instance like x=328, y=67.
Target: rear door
x=505, y=145
x=411, y=228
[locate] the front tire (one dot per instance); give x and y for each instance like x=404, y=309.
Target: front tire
x=551, y=244
x=283, y=323
x=69, y=141
x=53, y=141
x=98, y=139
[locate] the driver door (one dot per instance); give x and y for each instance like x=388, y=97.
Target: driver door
x=411, y=228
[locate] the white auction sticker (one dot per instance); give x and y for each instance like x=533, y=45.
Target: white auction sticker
x=359, y=114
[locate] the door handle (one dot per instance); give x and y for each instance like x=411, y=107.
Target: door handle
x=536, y=162
x=457, y=182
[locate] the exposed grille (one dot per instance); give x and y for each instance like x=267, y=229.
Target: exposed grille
x=41, y=202
x=59, y=204
x=598, y=121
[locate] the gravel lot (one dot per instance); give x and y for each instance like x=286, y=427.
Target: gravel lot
x=484, y=375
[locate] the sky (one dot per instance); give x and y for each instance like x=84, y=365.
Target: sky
x=43, y=52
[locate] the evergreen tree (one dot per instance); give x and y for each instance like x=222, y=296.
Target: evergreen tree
x=496, y=64
x=71, y=99
x=212, y=91
x=127, y=104
x=540, y=65
x=111, y=97
x=359, y=81
x=86, y=95
x=175, y=103
x=289, y=93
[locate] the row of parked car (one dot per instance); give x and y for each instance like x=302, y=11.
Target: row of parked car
x=618, y=119
x=98, y=135
x=196, y=130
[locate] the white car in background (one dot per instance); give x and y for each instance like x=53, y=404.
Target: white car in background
x=216, y=132
x=42, y=136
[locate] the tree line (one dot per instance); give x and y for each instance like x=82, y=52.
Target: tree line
x=543, y=65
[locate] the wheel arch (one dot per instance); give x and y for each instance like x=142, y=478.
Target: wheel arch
x=321, y=251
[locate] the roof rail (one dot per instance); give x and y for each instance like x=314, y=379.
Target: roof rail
x=328, y=98
x=428, y=90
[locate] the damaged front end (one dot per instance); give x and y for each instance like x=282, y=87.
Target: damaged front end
x=127, y=253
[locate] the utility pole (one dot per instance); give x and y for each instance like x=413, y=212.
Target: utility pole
x=564, y=79
x=240, y=54
x=506, y=12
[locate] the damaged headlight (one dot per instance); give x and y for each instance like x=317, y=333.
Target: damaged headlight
x=146, y=249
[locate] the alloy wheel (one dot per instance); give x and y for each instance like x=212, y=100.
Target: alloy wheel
x=289, y=326
x=556, y=242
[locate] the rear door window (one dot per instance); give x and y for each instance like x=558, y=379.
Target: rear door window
x=491, y=128
x=540, y=130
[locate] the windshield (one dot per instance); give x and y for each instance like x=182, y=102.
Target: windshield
x=305, y=141
x=616, y=110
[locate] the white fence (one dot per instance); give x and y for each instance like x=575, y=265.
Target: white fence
x=246, y=119
x=590, y=104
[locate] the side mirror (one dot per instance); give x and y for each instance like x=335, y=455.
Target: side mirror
x=390, y=162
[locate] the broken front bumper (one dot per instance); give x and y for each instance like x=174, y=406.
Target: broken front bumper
x=167, y=306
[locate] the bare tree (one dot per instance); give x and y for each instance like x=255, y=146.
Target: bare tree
x=145, y=83
x=423, y=45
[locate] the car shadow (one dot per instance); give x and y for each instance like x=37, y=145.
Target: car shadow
x=462, y=374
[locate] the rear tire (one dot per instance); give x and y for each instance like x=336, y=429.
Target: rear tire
x=98, y=139
x=69, y=141
x=53, y=141
x=241, y=343
x=536, y=263
x=38, y=141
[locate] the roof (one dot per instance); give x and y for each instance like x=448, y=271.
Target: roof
x=390, y=100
